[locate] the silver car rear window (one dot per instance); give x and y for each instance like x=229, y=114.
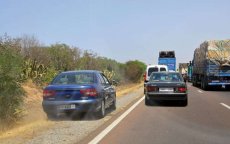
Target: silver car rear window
x=173, y=77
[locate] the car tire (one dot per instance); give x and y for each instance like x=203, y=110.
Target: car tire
x=185, y=102
x=68, y=114
x=101, y=112
x=77, y=115
x=147, y=102
x=113, y=106
x=52, y=116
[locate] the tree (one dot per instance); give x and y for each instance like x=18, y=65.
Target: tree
x=11, y=93
x=29, y=45
x=88, y=61
x=134, y=70
x=63, y=57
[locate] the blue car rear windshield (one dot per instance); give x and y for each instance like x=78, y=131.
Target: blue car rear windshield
x=74, y=78
x=161, y=77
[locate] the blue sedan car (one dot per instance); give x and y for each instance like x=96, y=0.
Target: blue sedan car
x=79, y=91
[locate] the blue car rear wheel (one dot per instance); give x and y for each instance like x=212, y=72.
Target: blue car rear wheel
x=113, y=106
x=101, y=112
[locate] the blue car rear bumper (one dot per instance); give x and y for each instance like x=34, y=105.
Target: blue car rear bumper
x=52, y=107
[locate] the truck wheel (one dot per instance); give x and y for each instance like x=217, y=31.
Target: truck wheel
x=201, y=84
x=204, y=86
x=193, y=84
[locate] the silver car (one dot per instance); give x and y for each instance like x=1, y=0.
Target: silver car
x=166, y=86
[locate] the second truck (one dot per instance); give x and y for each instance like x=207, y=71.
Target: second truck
x=211, y=64
x=167, y=58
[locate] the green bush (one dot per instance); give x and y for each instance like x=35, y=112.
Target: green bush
x=34, y=71
x=134, y=70
x=48, y=77
x=11, y=93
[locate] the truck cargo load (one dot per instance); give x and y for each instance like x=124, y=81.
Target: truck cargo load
x=211, y=64
x=183, y=68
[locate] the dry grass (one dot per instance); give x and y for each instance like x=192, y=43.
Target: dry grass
x=124, y=89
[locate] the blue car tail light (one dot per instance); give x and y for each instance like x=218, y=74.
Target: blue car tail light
x=89, y=92
x=49, y=93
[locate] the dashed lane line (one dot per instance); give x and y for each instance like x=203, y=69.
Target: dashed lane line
x=200, y=91
x=225, y=105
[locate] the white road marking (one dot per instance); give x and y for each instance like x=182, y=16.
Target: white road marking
x=225, y=105
x=100, y=136
x=200, y=91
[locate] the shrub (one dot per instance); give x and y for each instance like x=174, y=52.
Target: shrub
x=50, y=74
x=134, y=70
x=109, y=74
x=11, y=93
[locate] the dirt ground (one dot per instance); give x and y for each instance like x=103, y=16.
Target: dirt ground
x=36, y=119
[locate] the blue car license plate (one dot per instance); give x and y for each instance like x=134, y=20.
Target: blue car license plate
x=71, y=106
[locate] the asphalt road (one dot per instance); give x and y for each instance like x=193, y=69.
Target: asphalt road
x=206, y=120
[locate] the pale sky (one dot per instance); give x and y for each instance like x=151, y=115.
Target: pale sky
x=120, y=29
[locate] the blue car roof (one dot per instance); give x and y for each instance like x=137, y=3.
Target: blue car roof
x=83, y=71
